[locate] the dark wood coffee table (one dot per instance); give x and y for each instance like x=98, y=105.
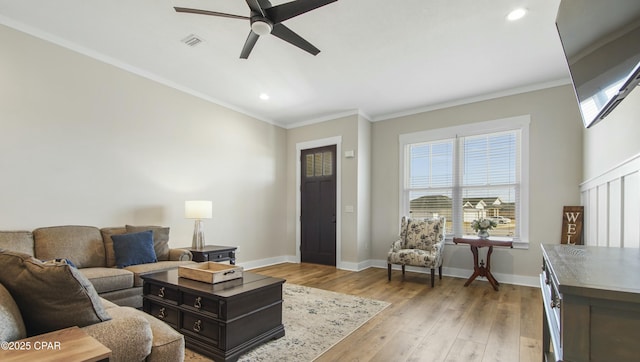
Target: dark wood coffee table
x=222, y=320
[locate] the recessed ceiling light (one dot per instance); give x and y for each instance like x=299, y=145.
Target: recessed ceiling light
x=264, y=96
x=516, y=14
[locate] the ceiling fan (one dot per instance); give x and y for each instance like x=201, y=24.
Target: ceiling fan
x=267, y=19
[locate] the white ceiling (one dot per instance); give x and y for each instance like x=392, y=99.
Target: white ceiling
x=379, y=58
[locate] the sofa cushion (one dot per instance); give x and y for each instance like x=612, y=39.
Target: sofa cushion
x=160, y=239
x=108, y=243
x=130, y=297
x=403, y=230
x=81, y=244
x=108, y=304
x=167, y=344
x=415, y=257
x=20, y=241
x=128, y=335
x=134, y=248
x=51, y=295
x=10, y=318
x=423, y=233
x=108, y=279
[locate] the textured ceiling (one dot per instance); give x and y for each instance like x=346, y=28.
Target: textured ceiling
x=378, y=58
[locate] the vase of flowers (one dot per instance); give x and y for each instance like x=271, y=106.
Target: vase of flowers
x=482, y=227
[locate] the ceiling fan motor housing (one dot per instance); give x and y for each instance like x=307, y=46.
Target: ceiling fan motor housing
x=261, y=25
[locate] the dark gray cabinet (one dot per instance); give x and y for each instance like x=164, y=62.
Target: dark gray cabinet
x=591, y=299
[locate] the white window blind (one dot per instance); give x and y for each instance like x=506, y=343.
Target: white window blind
x=489, y=169
x=465, y=176
x=431, y=178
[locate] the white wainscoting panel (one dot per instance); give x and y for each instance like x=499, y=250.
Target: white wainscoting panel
x=615, y=214
x=631, y=209
x=612, y=206
x=602, y=214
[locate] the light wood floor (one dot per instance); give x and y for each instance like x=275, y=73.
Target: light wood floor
x=447, y=323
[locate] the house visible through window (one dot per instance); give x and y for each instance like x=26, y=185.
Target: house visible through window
x=466, y=173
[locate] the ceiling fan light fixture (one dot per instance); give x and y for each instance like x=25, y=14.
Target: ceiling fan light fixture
x=261, y=27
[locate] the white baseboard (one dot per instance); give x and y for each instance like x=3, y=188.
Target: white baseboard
x=248, y=265
x=254, y=264
x=466, y=273
x=448, y=271
x=354, y=266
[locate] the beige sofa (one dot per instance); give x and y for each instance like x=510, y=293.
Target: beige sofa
x=38, y=297
x=91, y=250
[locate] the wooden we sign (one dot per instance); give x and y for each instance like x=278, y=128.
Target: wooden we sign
x=572, y=225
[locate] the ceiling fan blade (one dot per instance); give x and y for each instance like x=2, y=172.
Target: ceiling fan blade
x=255, y=7
x=248, y=45
x=289, y=36
x=286, y=11
x=265, y=4
x=207, y=12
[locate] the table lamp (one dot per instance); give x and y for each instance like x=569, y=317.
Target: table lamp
x=198, y=210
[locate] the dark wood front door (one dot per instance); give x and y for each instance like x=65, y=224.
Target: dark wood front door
x=318, y=206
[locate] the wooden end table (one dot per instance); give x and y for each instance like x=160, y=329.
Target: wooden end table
x=69, y=344
x=213, y=253
x=480, y=270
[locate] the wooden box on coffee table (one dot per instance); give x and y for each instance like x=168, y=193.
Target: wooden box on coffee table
x=210, y=272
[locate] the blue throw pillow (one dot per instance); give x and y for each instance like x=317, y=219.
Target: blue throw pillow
x=134, y=248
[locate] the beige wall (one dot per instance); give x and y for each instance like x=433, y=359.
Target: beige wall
x=364, y=189
x=82, y=142
x=613, y=140
x=355, y=134
x=555, y=171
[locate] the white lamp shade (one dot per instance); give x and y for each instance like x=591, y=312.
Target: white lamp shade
x=198, y=209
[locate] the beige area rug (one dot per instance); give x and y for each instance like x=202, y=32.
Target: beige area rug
x=314, y=321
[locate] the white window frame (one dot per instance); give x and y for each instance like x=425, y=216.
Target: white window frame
x=472, y=129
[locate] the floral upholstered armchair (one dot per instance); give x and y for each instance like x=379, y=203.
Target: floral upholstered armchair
x=421, y=244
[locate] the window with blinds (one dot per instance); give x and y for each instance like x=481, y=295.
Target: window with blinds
x=489, y=174
x=464, y=178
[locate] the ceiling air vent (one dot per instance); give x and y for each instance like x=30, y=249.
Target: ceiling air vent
x=192, y=40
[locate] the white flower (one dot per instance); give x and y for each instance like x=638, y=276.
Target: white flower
x=483, y=224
